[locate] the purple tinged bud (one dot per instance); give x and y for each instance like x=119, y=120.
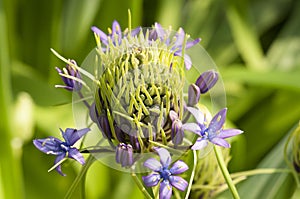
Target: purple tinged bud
x=124, y=155
x=193, y=95
x=207, y=80
x=71, y=83
x=177, y=132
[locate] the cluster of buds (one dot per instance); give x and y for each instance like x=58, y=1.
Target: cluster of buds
x=141, y=104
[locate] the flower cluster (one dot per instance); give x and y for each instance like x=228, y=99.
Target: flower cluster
x=140, y=104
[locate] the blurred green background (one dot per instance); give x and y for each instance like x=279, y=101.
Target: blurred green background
x=255, y=44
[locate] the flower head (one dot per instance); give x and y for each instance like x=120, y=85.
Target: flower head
x=161, y=173
x=213, y=132
x=61, y=149
x=70, y=76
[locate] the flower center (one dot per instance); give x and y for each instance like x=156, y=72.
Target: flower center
x=165, y=174
x=64, y=146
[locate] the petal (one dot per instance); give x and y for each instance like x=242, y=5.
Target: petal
x=58, y=168
x=187, y=61
x=198, y=115
x=173, y=115
x=165, y=190
x=220, y=142
x=178, y=182
x=179, y=39
x=151, y=179
x=190, y=44
x=116, y=28
x=73, y=135
x=153, y=164
x=75, y=154
x=200, y=144
x=160, y=31
x=136, y=31
x=49, y=145
x=193, y=127
x=165, y=157
x=179, y=167
x=207, y=80
x=102, y=35
x=218, y=121
x=193, y=95
x=229, y=133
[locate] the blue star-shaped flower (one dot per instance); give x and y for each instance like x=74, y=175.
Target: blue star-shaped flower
x=167, y=177
x=213, y=133
x=61, y=149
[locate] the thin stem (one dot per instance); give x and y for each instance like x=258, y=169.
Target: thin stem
x=225, y=172
x=192, y=175
x=140, y=186
x=78, y=178
x=84, y=101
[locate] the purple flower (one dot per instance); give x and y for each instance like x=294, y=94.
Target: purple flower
x=161, y=173
x=213, y=133
x=115, y=34
x=69, y=74
x=207, y=80
x=61, y=149
x=124, y=155
x=178, y=47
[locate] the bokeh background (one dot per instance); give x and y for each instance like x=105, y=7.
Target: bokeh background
x=255, y=44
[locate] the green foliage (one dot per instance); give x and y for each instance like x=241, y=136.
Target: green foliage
x=254, y=43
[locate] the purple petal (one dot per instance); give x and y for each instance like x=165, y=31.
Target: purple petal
x=136, y=31
x=116, y=29
x=179, y=39
x=193, y=95
x=190, y=44
x=220, y=142
x=165, y=157
x=187, y=62
x=73, y=135
x=207, y=80
x=165, y=190
x=200, y=144
x=153, y=164
x=198, y=115
x=229, y=133
x=218, y=121
x=160, y=31
x=49, y=145
x=58, y=168
x=179, y=167
x=193, y=127
x=178, y=182
x=173, y=115
x=151, y=179
x=76, y=155
x=102, y=35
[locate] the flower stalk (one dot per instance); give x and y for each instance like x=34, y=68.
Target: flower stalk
x=225, y=172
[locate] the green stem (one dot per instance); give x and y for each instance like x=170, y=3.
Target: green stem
x=141, y=186
x=192, y=175
x=79, y=177
x=225, y=172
